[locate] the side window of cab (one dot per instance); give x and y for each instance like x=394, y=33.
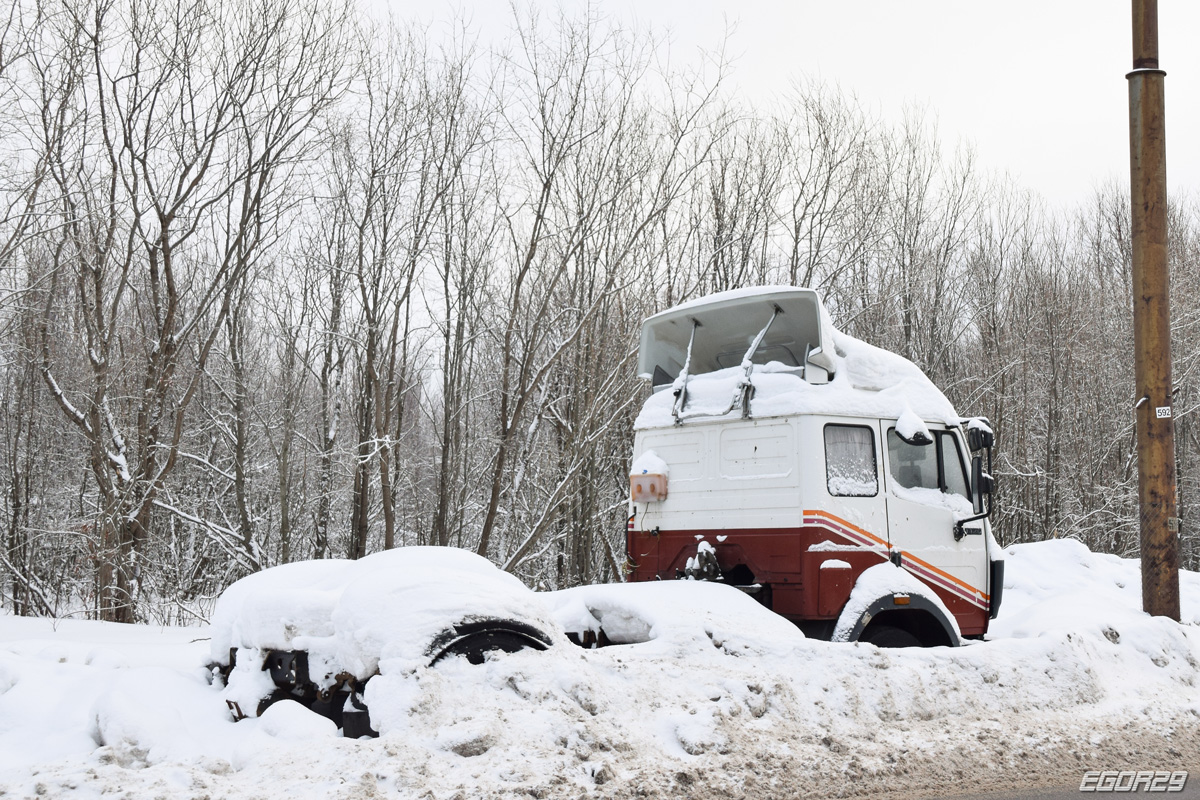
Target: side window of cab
x=938, y=465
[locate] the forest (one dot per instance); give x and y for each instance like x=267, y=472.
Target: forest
x=283, y=280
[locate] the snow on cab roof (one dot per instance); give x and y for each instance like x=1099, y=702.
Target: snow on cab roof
x=852, y=378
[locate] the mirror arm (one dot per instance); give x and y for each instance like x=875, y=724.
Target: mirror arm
x=959, y=532
x=958, y=526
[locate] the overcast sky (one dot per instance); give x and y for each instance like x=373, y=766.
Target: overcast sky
x=1038, y=85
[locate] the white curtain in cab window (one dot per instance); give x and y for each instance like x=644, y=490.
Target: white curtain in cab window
x=850, y=461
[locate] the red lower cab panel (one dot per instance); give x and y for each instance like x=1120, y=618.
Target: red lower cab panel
x=793, y=582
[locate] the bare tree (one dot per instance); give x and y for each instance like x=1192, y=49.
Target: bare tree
x=198, y=116
x=598, y=171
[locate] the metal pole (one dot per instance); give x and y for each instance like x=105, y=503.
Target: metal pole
x=1152, y=320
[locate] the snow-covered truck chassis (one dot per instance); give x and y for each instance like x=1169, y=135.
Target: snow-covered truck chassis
x=342, y=700
x=319, y=632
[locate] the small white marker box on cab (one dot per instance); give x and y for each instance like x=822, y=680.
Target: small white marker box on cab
x=648, y=478
x=647, y=487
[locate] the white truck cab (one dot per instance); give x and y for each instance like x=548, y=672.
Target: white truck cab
x=827, y=477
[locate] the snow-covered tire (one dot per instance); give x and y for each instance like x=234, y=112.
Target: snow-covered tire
x=889, y=636
x=475, y=639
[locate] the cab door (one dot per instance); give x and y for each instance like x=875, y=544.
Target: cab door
x=927, y=493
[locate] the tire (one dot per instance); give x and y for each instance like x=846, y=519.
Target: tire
x=474, y=640
x=889, y=636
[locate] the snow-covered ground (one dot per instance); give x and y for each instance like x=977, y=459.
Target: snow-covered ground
x=727, y=704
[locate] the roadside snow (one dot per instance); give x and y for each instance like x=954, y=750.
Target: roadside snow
x=715, y=701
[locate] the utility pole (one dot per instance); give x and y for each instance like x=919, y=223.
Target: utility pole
x=1152, y=320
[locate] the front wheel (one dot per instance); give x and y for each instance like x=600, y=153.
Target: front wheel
x=889, y=636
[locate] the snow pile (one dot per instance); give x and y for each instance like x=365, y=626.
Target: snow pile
x=676, y=616
x=910, y=428
x=717, y=699
x=1092, y=601
x=69, y=687
x=867, y=382
x=1060, y=585
x=649, y=463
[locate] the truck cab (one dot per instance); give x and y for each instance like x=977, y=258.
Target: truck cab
x=781, y=456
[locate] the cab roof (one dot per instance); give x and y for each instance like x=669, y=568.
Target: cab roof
x=725, y=325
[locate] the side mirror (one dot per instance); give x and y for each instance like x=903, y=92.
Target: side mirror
x=980, y=438
x=918, y=438
x=981, y=484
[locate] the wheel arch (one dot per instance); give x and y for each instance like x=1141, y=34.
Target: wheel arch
x=920, y=616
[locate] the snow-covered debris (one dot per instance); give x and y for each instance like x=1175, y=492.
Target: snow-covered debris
x=379, y=613
x=676, y=615
x=389, y=605
x=706, y=554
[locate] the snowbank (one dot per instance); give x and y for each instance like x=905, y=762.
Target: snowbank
x=715, y=702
